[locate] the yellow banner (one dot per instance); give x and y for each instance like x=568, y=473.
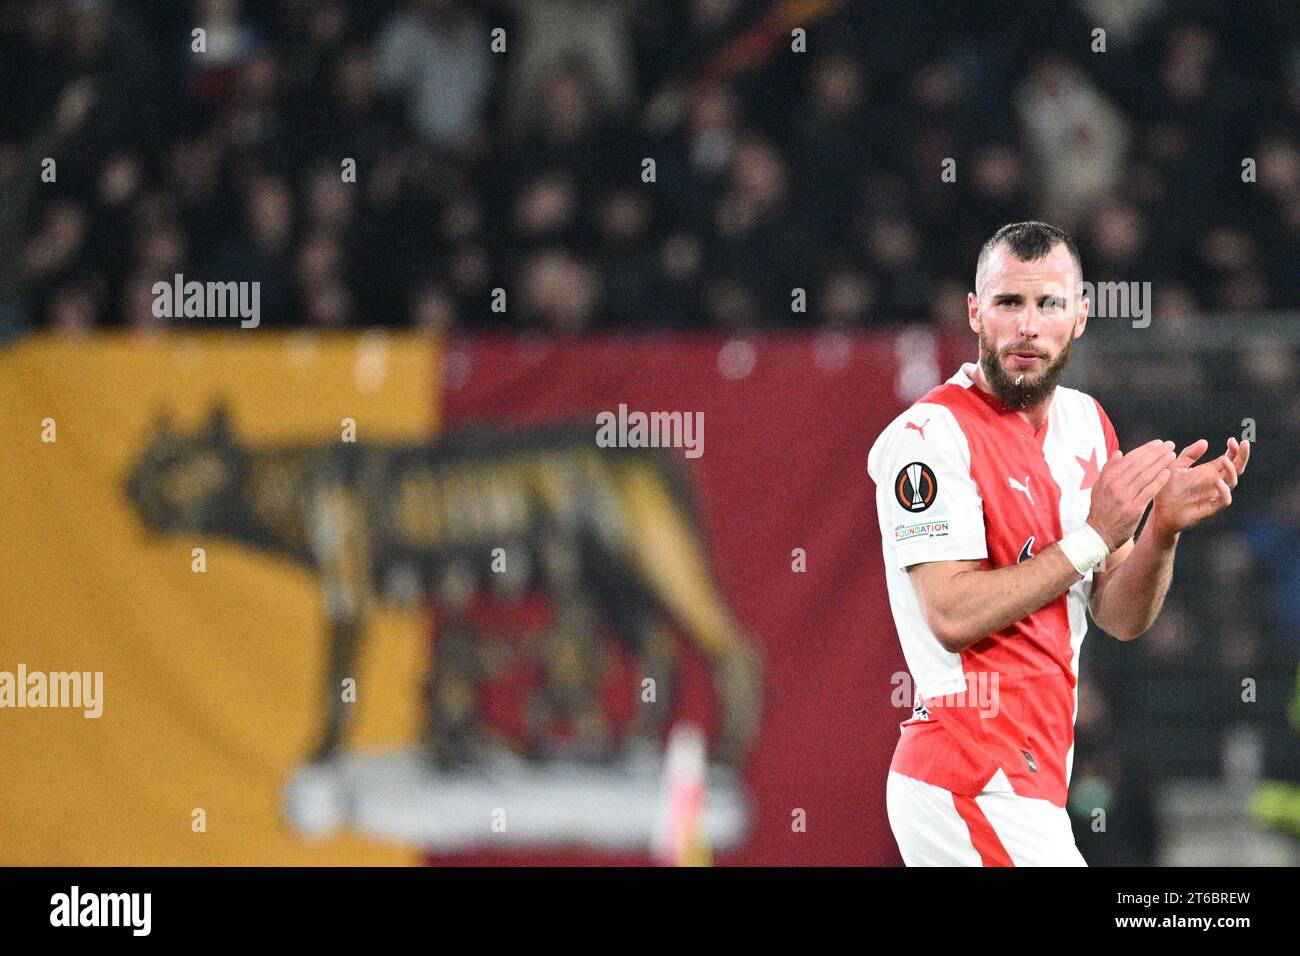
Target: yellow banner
x=212, y=678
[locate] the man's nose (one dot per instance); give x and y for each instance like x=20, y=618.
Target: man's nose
x=1029, y=321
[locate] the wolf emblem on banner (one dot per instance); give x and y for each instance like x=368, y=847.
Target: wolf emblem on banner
x=485, y=516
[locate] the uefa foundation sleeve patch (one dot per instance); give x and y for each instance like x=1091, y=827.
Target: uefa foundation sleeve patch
x=922, y=451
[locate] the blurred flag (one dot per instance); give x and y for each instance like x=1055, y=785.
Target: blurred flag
x=752, y=48
x=679, y=837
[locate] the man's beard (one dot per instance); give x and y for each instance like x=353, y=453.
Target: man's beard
x=1030, y=391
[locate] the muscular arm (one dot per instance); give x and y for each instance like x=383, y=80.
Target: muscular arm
x=963, y=603
x=1127, y=598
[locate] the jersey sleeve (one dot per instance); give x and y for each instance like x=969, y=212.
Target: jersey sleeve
x=928, y=503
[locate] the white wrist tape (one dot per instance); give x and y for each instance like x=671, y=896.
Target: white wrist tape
x=1085, y=548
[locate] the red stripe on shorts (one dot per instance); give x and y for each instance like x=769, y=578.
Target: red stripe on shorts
x=982, y=835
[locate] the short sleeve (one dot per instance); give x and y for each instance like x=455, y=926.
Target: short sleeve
x=929, y=505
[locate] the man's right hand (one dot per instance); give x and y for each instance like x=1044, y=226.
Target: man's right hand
x=1125, y=488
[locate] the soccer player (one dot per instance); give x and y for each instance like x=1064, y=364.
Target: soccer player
x=1007, y=512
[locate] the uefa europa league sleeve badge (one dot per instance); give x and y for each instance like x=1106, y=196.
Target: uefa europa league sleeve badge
x=915, y=487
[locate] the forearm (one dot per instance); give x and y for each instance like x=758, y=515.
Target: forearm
x=980, y=602
x=1136, y=590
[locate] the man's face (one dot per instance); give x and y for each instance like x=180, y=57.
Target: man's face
x=1027, y=315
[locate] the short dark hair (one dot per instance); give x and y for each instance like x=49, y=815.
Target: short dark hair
x=1028, y=241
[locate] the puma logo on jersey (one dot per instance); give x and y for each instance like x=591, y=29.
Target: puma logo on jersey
x=920, y=427
x=1019, y=487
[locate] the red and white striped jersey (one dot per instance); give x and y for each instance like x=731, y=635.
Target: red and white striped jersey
x=961, y=475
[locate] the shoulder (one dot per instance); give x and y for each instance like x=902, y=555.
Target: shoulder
x=1076, y=400
x=927, y=428
x=1082, y=410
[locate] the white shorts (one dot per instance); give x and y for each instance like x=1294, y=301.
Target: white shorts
x=997, y=827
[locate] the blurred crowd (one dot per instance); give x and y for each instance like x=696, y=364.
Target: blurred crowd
x=525, y=169
x=1211, y=692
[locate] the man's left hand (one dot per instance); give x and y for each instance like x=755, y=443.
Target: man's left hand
x=1193, y=494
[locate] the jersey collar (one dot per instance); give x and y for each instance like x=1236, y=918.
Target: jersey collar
x=1000, y=408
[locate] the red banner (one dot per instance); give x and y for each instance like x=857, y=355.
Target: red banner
x=787, y=422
